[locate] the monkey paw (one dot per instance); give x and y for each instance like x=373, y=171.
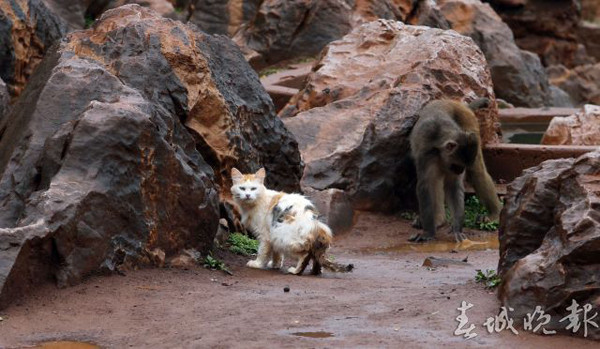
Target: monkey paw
x=420, y=238
x=416, y=223
x=459, y=236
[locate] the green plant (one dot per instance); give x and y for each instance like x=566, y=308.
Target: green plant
x=303, y=60
x=475, y=215
x=215, y=264
x=242, y=244
x=408, y=215
x=270, y=71
x=89, y=21
x=178, y=9
x=489, y=278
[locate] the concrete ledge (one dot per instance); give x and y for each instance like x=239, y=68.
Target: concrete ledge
x=533, y=115
x=505, y=162
x=284, y=84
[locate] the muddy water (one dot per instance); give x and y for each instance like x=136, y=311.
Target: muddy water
x=319, y=334
x=479, y=244
x=65, y=345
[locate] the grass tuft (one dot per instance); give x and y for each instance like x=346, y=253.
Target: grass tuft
x=242, y=244
x=489, y=278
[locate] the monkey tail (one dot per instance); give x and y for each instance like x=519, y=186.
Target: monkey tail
x=320, y=245
x=336, y=267
x=480, y=103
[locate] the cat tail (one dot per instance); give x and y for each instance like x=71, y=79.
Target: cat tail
x=321, y=243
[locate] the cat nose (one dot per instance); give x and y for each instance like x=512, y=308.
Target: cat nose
x=247, y=196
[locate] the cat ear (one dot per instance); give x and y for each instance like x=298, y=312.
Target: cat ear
x=236, y=175
x=261, y=174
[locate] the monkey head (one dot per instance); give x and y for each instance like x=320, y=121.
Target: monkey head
x=459, y=152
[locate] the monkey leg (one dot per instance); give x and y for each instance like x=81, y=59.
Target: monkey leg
x=455, y=198
x=263, y=256
x=316, y=267
x=430, y=193
x=440, y=223
x=302, y=264
x=484, y=187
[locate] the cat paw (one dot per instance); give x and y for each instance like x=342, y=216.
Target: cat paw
x=254, y=264
x=270, y=265
x=292, y=270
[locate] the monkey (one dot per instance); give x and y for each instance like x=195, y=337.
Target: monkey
x=446, y=145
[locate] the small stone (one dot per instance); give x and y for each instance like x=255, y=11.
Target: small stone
x=286, y=289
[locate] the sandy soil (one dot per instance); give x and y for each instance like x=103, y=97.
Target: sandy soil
x=390, y=300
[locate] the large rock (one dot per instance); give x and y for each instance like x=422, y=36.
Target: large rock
x=286, y=29
x=27, y=30
x=334, y=207
x=548, y=28
x=82, y=13
x=219, y=16
x=108, y=157
x=582, y=128
x=162, y=7
x=518, y=76
x=589, y=35
x=77, y=14
x=353, y=118
x=590, y=10
x=4, y=100
x=582, y=83
x=549, y=240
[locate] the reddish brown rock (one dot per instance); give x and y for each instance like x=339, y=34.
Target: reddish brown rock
x=27, y=30
x=518, y=76
x=370, y=10
x=287, y=29
x=590, y=10
x=549, y=234
x=589, y=35
x=187, y=259
x=4, y=100
x=547, y=28
x=162, y=7
x=107, y=158
x=81, y=14
x=582, y=83
x=335, y=208
x=353, y=118
x=582, y=128
x=221, y=16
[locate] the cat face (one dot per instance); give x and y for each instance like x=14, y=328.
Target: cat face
x=247, y=187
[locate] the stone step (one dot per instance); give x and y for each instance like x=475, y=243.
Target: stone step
x=284, y=84
x=505, y=162
x=533, y=115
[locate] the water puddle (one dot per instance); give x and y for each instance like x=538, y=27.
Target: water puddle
x=319, y=334
x=483, y=243
x=65, y=345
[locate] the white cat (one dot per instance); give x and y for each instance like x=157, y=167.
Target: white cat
x=286, y=225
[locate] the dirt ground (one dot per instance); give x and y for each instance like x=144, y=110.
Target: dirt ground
x=390, y=300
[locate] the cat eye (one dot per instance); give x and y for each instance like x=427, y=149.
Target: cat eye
x=242, y=188
x=253, y=188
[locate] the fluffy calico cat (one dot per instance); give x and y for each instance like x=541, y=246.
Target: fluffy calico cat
x=286, y=225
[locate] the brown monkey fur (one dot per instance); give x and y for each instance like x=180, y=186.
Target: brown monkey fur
x=445, y=143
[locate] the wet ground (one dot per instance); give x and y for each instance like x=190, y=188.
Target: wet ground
x=390, y=300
